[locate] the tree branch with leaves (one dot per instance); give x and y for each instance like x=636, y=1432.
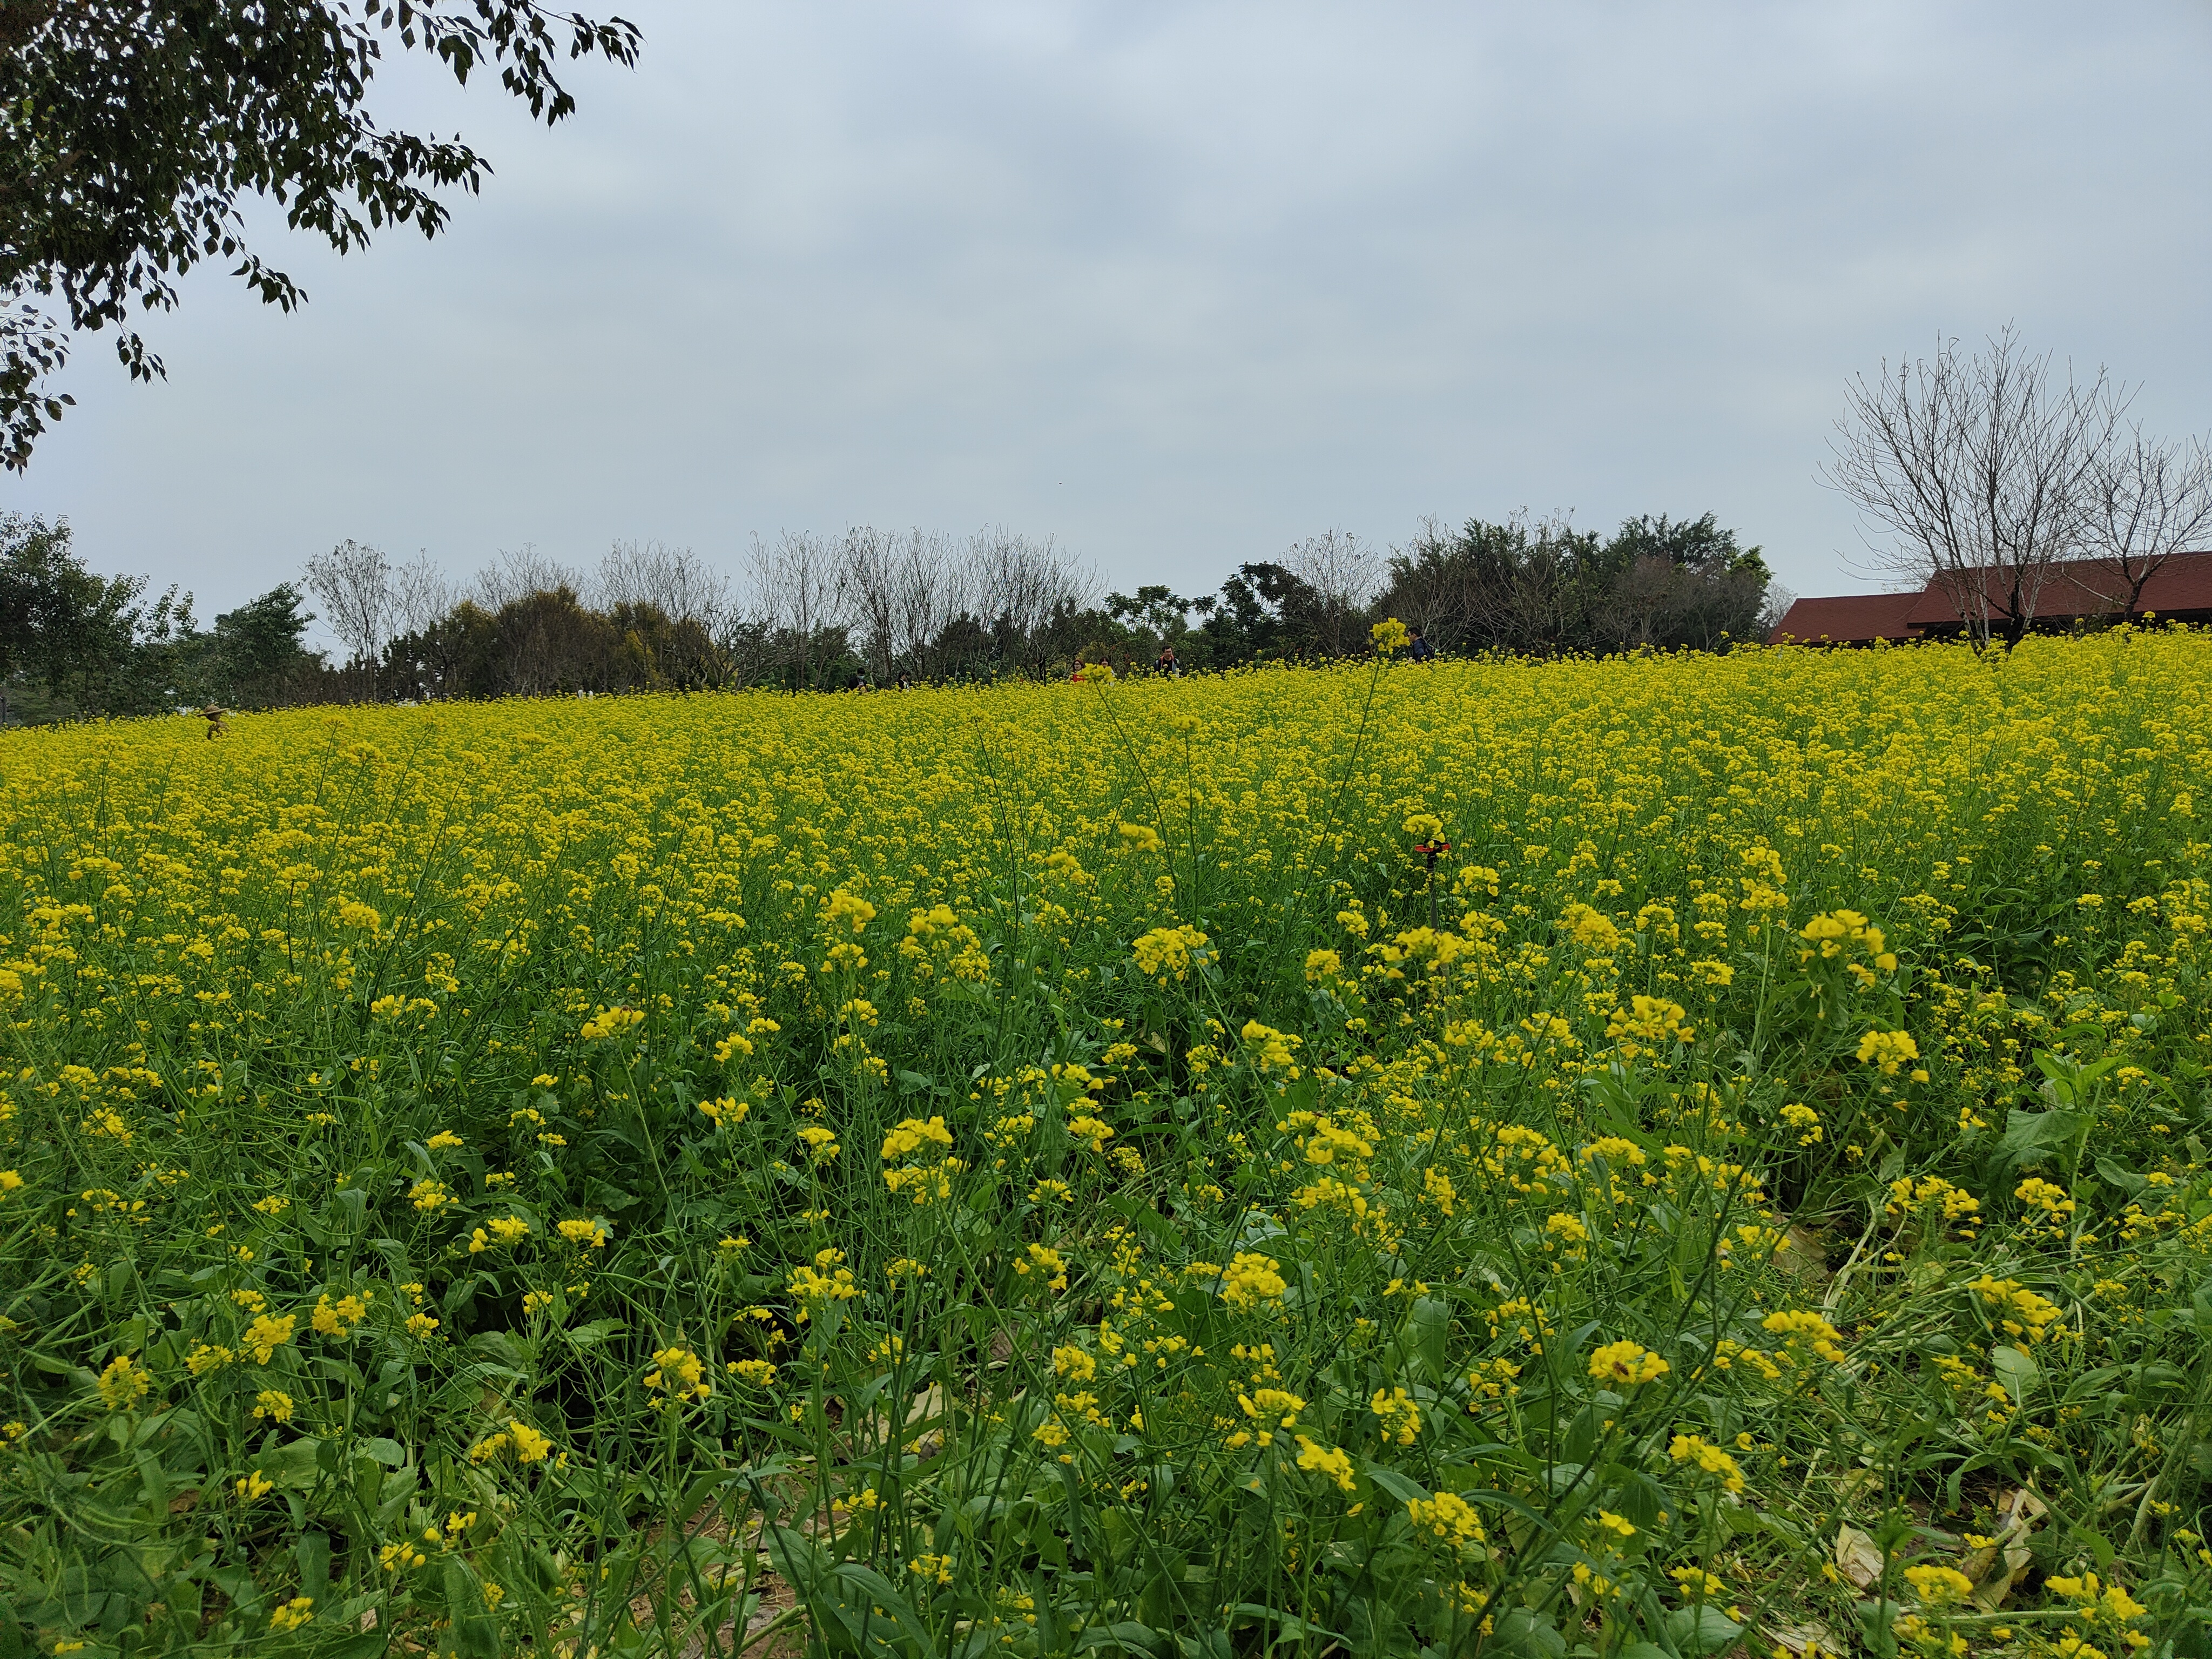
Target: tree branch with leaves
x=133, y=131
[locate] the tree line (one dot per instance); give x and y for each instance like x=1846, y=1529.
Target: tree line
x=812, y=612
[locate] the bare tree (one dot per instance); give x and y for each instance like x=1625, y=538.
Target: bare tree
x=421, y=596
x=930, y=587
x=1344, y=573
x=1774, y=608
x=2148, y=500
x=517, y=573
x=1978, y=469
x=866, y=561
x=353, y=581
x=673, y=580
x=795, y=595
x=1023, y=586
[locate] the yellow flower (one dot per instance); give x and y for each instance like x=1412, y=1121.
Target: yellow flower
x=1399, y=1413
x=1252, y=1280
x=1143, y=838
x=586, y=1233
x=292, y=1615
x=1331, y=1462
x=1803, y=1327
x=273, y=1403
x=1390, y=636
x=911, y=1135
x=337, y=1319
x=1169, y=953
x=267, y=1333
x=610, y=1022
x=678, y=1375
x=1696, y=1451
x=124, y=1383
x=1447, y=1516
x=1887, y=1050
x=1939, y=1586
x=1696, y=1583
x=1626, y=1365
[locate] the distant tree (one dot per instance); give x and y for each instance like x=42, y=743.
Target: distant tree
x=2148, y=501
x=518, y=572
x=930, y=586
x=1029, y=593
x=1977, y=471
x=420, y=594
x=1340, y=575
x=451, y=656
x=353, y=581
x=1431, y=584
x=1154, y=617
x=1688, y=583
x=76, y=635
x=1265, y=612
x=797, y=595
x=673, y=580
x=133, y=132
x=552, y=643
x=257, y=649
x=1521, y=585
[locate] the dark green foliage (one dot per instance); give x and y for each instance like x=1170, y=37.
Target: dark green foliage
x=131, y=134
x=259, y=650
x=74, y=644
x=68, y=633
x=1546, y=587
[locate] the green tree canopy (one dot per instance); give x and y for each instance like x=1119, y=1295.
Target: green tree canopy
x=132, y=131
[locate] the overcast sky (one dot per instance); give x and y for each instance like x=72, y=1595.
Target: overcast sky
x=1177, y=283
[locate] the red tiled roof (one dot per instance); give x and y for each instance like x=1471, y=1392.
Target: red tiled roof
x=2077, y=588
x=2184, y=582
x=1848, y=619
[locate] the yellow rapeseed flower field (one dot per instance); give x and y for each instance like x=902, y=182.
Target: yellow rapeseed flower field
x=1621, y=1159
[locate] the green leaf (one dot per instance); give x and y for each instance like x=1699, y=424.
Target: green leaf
x=1388, y=1480
x=313, y=1551
x=1701, y=1630
x=2030, y=1137
x=2125, y=1180
x=1530, y=1635
x=1126, y=1637
x=598, y=1331
x=2015, y=1370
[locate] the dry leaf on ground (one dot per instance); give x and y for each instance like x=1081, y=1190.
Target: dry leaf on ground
x=1858, y=1558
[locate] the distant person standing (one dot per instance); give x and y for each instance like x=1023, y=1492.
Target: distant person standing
x=905, y=681
x=1167, y=665
x=1418, y=649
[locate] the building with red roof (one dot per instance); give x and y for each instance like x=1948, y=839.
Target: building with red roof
x=1847, y=619
x=2074, y=594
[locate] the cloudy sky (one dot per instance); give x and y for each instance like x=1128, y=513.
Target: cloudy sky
x=1177, y=283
